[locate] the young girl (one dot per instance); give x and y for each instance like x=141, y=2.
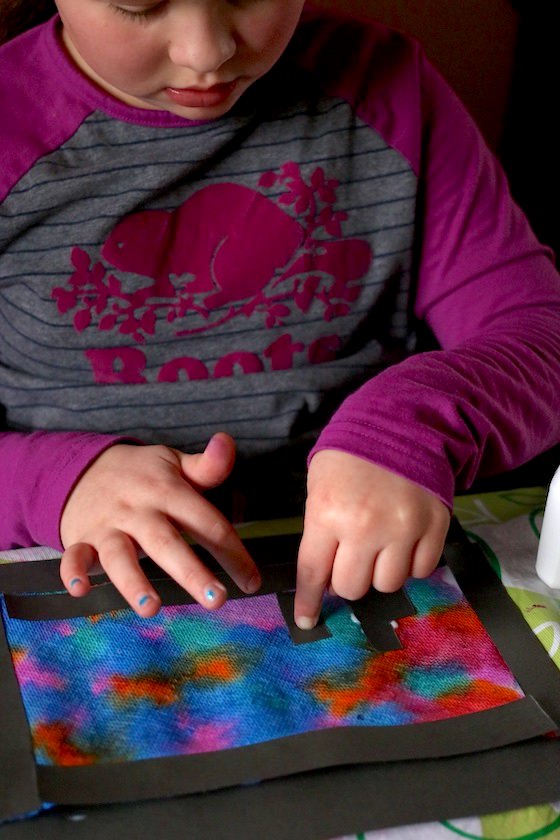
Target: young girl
x=236, y=216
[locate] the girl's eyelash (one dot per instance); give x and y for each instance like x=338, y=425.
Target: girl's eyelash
x=141, y=14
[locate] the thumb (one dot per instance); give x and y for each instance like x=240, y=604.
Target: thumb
x=213, y=465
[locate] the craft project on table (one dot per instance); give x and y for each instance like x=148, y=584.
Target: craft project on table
x=103, y=706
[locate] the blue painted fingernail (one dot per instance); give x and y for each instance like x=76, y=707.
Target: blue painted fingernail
x=144, y=600
x=212, y=592
x=74, y=581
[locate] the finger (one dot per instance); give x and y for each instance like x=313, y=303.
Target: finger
x=213, y=531
x=212, y=466
x=224, y=544
x=392, y=566
x=163, y=543
x=427, y=554
x=315, y=561
x=119, y=558
x=353, y=570
x=74, y=566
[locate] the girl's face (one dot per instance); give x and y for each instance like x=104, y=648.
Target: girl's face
x=191, y=57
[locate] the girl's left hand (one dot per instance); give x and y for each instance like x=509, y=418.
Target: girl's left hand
x=364, y=526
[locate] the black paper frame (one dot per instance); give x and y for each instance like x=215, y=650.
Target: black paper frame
x=469, y=746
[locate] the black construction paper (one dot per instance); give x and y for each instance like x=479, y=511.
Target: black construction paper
x=382, y=787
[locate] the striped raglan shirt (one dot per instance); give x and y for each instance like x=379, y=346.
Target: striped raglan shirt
x=264, y=274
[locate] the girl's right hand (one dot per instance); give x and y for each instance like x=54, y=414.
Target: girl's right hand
x=142, y=497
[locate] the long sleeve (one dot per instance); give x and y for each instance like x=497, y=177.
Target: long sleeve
x=489, y=400
x=38, y=472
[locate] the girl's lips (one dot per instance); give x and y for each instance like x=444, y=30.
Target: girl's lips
x=199, y=98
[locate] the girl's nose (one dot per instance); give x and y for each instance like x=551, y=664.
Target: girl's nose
x=204, y=41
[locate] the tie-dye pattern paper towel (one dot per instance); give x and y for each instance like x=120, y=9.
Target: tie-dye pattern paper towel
x=115, y=687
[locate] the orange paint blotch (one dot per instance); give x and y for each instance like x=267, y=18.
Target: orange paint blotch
x=385, y=669
x=219, y=668
x=19, y=655
x=341, y=701
x=55, y=740
x=374, y=683
x=133, y=689
x=479, y=695
x=459, y=619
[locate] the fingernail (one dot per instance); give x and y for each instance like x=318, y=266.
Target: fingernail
x=74, y=581
x=216, y=446
x=144, y=599
x=305, y=623
x=253, y=584
x=213, y=591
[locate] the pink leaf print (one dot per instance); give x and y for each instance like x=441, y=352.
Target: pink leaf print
x=275, y=314
x=129, y=326
x=318, y=178
x=336, y=311
x=82, y=319
x=290, y=169
x=331, y=221
x=351, y=294
x=65, y=300
x=333, y=227
x=304, y=298
x=294, y=184
x=267, y=180
x=101, y=302
x=302, y=204
x=148, y=322
x=98, y=275
x=327, y=196
x=107, y=322
x=80, y=259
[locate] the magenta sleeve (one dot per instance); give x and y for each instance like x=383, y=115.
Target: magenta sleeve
x=38, y=471
x=489, y=400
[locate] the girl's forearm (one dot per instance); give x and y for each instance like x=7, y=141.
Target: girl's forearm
x=37, y=473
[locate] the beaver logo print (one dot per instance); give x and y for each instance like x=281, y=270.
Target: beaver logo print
x=227, y=252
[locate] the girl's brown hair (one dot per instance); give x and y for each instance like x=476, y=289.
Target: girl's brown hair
x=18, y=15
